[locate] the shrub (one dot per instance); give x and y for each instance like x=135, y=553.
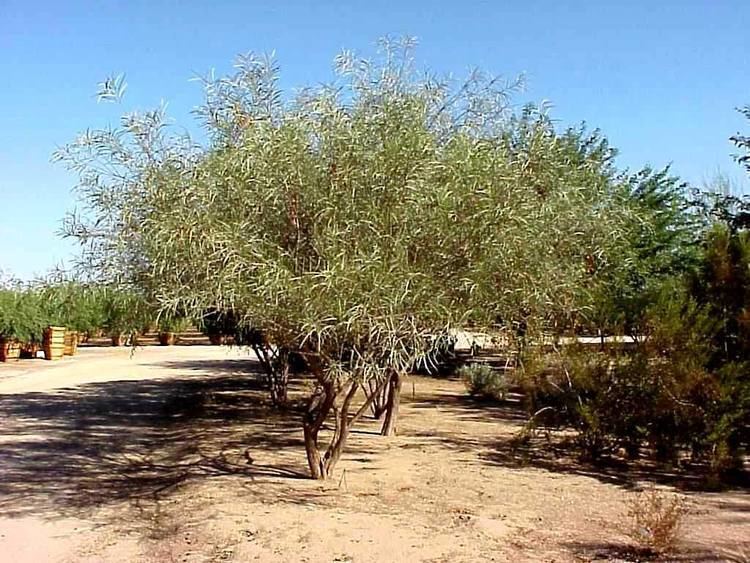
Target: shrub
x=174, y=324
x=603, y=395
x=663, y=392
x=484, y=382
x=74, y=305
x=21, y=316
x=215, y=322
x=125, y=312
x=655, y=520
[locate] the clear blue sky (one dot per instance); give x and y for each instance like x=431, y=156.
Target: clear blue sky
x=661, y=78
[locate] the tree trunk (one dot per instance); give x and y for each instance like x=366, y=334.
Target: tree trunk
x=276, y=366
x=319, y=407
x=380, y=398
x=280, y=378
x=394, y=399
x=314, y=461
x=341, y=433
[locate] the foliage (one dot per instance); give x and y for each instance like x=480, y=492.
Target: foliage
x=355, y=221
x=72, y=304
x=483, y=381
x=174, y=323
x=722, y=284
x=21, y=316
x=661, y=248
x=655, y=521
x=742, y=142
x=125, y=312
x=682, y=386
x=682, y=292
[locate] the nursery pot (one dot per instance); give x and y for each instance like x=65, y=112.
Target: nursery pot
x=54, y=342
x=216, y=339
x=10, y=350
x=167, y=338
x=70, y=343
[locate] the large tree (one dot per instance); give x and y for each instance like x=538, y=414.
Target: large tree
x=353, y=223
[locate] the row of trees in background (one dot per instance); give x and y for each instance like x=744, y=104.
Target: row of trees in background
x=26, y=310
x=353, y=226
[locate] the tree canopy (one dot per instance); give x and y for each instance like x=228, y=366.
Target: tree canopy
x=356, y=221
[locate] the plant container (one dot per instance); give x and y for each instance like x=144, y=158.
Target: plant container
x=54, y=342
x=10, y=350
x=167, y=338
x=71, y=343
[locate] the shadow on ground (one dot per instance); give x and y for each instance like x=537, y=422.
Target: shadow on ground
x=550, y=450
x=596, y=552
x=72, y=449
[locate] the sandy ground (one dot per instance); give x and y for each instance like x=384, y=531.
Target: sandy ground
x=172, y=454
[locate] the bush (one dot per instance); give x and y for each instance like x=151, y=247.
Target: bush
x=666, y=394
x=21, y=315
x=175, y=324
x=604, y=395
x=484, y=382
x=655, y=520
x=125, y=312
x=73, y=305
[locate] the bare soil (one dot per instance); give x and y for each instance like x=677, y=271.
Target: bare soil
x=173, y=454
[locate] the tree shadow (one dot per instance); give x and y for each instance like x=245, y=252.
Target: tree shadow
x=612, y=551
x=556, y=452
x=74, y=449
x=468, y=408
x=515, y=446
x=247, y=366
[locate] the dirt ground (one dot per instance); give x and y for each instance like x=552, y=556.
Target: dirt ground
x=173, y=455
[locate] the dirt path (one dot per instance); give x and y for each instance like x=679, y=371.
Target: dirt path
x=173, y=455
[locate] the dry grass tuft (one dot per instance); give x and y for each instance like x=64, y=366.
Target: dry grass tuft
x=655, y=521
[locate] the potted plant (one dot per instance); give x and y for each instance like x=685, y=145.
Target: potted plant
x=169, y=327
x=54, y=342
x=77, y=306
x=70, y=342
x=29, y=350
x=20, y=322
x=218, y=326
x=125, y=313
x=10, y=350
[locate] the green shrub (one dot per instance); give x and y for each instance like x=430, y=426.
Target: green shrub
x=74, y=305
x=662, y=395
x=484, y=382
x=174, y=324
x=125, y=312
x=21, y=315
x=604, y=395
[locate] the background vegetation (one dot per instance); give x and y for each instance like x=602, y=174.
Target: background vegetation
x=351, y=227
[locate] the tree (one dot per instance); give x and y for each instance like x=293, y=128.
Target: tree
x=681, y=286
x=353, y=223
x=742, y=142
x=661, y=247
